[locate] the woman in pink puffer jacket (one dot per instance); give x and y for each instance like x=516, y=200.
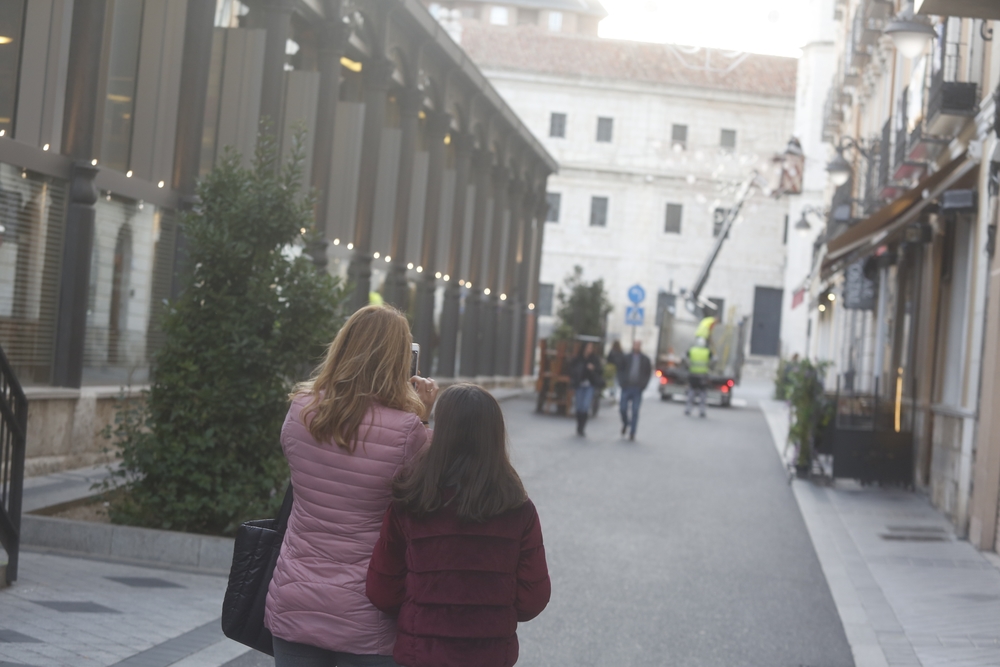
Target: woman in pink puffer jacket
x=347, y=433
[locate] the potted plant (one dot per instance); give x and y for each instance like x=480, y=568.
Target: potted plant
x=811, y=411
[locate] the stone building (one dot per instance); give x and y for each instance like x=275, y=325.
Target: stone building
x=428, y=182
x=901, y=295
x=652, y=140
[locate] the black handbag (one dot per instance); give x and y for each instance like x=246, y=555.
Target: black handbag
x=254, y=557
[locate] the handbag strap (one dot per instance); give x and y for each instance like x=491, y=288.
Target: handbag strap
x=286, y=509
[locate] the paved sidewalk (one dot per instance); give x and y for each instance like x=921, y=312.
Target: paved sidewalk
x=76, y=612
x=62, y=487
x=908, y=592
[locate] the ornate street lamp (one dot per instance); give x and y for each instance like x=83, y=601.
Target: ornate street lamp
x=802, y=226
x=839, y=168
x=911, y=34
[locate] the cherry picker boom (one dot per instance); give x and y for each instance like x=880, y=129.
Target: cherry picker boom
x=678, y=331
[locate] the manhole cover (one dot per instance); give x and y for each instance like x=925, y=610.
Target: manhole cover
x=916, y=534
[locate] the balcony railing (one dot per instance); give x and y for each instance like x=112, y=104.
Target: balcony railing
x=949, y=105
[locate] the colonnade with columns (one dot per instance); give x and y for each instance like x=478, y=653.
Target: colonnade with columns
x=461, y=187
x=429, y=189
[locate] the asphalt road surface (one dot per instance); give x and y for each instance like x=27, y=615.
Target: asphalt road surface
x=685, y=547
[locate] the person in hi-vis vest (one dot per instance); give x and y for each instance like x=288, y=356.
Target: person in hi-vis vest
x=699, y=358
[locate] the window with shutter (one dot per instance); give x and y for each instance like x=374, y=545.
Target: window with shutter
x=604, y=129
x=673, y=223
x=598, y=211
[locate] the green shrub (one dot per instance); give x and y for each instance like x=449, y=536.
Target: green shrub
x=782, y=383
x=812, y=410
x=583, y=307
x=202, y=453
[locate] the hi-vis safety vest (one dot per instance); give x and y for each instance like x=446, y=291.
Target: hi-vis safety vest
x=699, y=358
x=705, y=328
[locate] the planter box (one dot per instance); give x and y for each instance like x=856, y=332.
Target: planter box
x=883, y=457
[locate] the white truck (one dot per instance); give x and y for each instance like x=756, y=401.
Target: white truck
x=678, y=332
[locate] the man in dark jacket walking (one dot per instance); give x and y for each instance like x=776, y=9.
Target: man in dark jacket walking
x=634, y=371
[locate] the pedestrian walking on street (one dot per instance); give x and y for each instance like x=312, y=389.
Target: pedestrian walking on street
x=348, y=432
x=615, y=357
x=586, y=374
x=460, y=560
x=633, y=376
x=699, y=359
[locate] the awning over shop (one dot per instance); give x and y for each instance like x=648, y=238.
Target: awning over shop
x=977, y=9
x=866, y=235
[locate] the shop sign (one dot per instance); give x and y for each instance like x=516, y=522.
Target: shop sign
x=859, y=290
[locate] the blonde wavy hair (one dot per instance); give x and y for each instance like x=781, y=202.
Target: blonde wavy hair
x=368, y=361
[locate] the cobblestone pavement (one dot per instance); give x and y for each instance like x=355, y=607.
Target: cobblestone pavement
x=88, y=613
x=908, y=592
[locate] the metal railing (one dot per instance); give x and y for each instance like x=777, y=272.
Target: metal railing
x=13, y=429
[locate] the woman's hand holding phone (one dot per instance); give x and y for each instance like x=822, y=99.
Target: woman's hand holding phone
x=427, y=390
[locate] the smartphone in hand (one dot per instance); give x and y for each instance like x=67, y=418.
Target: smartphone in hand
x=414, y=359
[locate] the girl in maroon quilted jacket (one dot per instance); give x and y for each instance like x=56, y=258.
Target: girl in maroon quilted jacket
x=460, y=560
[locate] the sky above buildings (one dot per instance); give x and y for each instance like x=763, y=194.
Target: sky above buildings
x=775, y=27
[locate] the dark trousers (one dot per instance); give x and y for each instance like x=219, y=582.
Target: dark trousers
x=291, y=654
x=631, y=396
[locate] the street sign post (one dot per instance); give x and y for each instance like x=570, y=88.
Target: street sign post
x=634, y=316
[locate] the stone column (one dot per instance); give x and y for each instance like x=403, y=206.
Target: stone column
x=533, y=227
x=74, y=287
x=453, y=292
x=377, y=73
x=332, y=37
x=397, y=290
x=198, y=32
x=520, y=291
x=482, y=161
x=79, y=124
x=437, y=126
x=506, y=320
x=275, y=16
x=541, y=213
x=489, y=307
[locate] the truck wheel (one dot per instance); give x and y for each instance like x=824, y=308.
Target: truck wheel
x=726, y=400
x=666, y=397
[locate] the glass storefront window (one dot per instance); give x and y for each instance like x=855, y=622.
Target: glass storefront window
x=11, y=25
x=130, y=270
x=32, y=210
x=119, y=102
x=229, y=12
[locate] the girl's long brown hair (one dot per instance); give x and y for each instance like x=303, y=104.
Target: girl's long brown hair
x=468, y=452
x=368, y=361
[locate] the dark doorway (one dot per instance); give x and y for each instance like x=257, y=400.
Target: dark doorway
x=766, y=337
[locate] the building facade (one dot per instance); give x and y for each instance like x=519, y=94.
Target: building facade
x=427, y=182
x=901, y=282
x=652, y=142
x=558, y=16
x=806, y=210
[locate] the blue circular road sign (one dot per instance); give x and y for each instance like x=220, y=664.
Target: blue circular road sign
x=636, y=294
